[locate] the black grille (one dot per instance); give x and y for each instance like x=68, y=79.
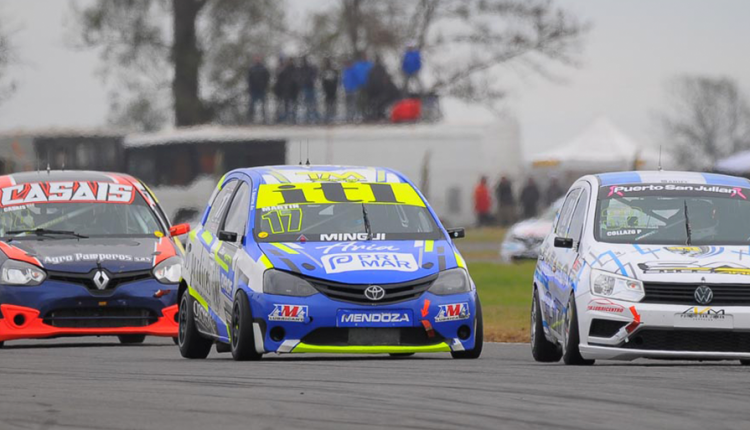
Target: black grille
x=724, y=294
x=87, y=279
x=336, y=336
x=355, y=293
x=605, y=328
x=690, y=340
x=102, y=317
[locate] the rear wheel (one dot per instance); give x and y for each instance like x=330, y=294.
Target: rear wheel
x=742, y=362
x=2, y=344
x=478, y=337
x=541, y=349
x=243, y=339
x=131, y=339
x=571, y=337
x=176, y=340
x=192, y=344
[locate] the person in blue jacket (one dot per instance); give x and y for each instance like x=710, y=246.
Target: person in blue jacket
x=349, y=81
x=411, y=65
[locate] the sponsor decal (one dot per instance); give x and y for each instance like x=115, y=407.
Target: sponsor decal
x=293, y=313
x=338, y=263
x=203, y=318
x=346, y=237
x=621, y=190
x=719, y=268
x=280, y=208
x=605, y=305
x=72, y=258
x=452, y=312
x=625, y=232
x=355, y=247
x=703, y=314
x=690, y=251
x=66, y=192
x=376, y=318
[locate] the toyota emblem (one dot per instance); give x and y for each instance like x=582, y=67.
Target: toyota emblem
x=703, y=295
x=374, y=292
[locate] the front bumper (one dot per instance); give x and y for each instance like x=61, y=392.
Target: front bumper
x=330, y=326
x=620, y=330
x=56, y=309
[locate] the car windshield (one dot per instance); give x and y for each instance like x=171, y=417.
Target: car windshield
x=91, y=209
x=342, y=213
x=673, y=214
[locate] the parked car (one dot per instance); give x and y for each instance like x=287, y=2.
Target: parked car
x=85, y=254
x=523, y=239
x=646, y=264
x=325, y=259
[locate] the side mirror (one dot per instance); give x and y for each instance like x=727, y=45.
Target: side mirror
x=227, y=236
x=456, y=233
x=563, y=242
x=179, y=229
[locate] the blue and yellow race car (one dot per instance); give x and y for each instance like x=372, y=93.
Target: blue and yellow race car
x=324, y=259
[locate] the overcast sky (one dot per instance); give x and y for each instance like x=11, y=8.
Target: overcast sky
x=634, y=47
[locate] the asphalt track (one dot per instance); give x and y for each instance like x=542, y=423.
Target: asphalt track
x=98, y=384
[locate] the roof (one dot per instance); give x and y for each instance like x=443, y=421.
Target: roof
x=64, y=175
x=324, y=173
x=641, y=177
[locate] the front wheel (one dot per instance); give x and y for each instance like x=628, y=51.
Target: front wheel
x=243, y=339
x=478, y=337
x=192, y=344
x=742, y=362
x=131, y=339
x=571, y=337
x=541, y=349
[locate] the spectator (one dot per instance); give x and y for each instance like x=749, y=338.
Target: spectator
x=349, y=80
x=362, y=70
x=258, y=79
x=505, y=201
x=529, y=199
x=329, y=80
x=380, y=91
x=482, y=203
x=286, y=89
x=308, y=74
x=411, y=65
x=554, y=191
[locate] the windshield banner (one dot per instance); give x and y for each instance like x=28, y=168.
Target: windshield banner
x=615, y=191
x=270, y=195
x=66, y=192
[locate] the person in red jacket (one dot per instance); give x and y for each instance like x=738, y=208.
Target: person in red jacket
x=483, y=203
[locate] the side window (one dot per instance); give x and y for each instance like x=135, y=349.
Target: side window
x=579, y=216
x=566, y=212
x=219, y=206
x=238, y=212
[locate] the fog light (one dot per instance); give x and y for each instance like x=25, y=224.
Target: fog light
x=19, y=320
x=464, y=332
x=277, y=334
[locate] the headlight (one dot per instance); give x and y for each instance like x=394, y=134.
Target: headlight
x=451, y=281
x=20, y=273
x=285, y=284
x=169, y=271
x=606, y=284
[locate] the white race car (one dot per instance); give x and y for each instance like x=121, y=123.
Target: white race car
x=523, y=239
x=646, y=265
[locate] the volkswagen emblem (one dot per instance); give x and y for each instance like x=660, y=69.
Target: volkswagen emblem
x=101, y=279
x=703, y=295
x=374, y=292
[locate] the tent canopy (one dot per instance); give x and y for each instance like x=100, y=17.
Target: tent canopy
x=601, y=146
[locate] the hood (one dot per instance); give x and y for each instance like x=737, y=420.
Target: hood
x=81, y=256
x=674, y=263
x=363, y=262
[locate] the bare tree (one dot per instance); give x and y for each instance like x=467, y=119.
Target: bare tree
x=7, y=58
x=179, y=59
x=465, y=43
x=709, y=119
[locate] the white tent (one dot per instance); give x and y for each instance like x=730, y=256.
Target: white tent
x=600, y=147
x=737, y=164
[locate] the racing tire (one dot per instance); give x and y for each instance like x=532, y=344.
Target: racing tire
x=742, y=362
x=243, y=338
x=401, y=354
x=571, y=337
x=2, y=344
x=478, y=338
x=542, y=349
x=176, y=340
x=191, y=343
x=131, y=339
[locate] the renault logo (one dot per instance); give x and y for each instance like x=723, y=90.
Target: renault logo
x=374, y=292
x=101, y=279
x=703, y=295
